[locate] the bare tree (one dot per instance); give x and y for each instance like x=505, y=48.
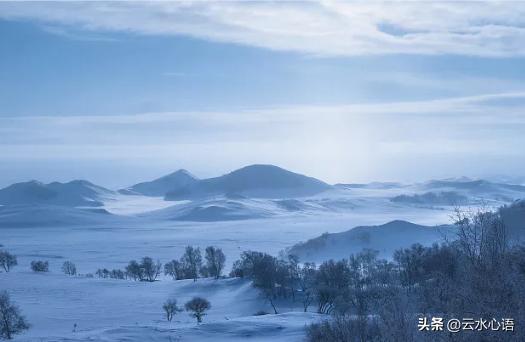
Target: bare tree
x=307, y=283
x=191, y=262
x=150, y=269
x=265, y=277
x=134, y=271
x=170, y=308
x=292, y=276
x=7, y=260
x=215, y=260
x=331, y=284
x=69, y=268
x=198, y=306
x=482, y=236
x=11, y=320
x=174, y=269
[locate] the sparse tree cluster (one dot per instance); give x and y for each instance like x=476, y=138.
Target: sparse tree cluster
x=190, y=265
x=113, y=274
x=275, y=278
x=197, y=308
x=146, y=270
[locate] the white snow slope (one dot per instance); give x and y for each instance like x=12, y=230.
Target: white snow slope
x=123, y=310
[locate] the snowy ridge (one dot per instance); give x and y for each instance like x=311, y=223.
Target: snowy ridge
x=384, y=238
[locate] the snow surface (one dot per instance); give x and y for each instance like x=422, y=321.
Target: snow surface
x=123, y=310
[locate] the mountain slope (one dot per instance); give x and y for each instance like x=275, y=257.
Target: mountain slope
x=38, y=215
x=161, y=186
x=263, y=181
x=72, y=194
x=478, y=188
x=385, y=238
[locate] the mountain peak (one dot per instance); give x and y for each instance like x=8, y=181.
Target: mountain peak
x=161, y=186
x=180, y=173
x=255, y=168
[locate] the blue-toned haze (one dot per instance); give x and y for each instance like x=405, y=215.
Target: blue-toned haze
x=120, y=92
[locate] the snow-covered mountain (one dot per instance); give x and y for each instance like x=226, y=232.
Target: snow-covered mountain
x=161, y=186
x=261, y=181
x=384, y=238
x=72, y=194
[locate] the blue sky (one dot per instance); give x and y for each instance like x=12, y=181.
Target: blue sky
x=116, y=93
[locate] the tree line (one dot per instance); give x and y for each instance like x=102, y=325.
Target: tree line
x=479, y=275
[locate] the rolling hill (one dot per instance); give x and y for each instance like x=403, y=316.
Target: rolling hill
x=384, y=238
x=72, y=194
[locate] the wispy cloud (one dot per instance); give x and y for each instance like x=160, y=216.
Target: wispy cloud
x=402, y=140
x=323, y=28
x=72, y=34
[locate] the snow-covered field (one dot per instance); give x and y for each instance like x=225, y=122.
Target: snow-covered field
x=113, y=245
x=132, y=226
x=123, y=310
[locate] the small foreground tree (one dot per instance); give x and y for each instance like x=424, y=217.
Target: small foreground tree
x=170, y=308
x=198, y=307
x=11, y=321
